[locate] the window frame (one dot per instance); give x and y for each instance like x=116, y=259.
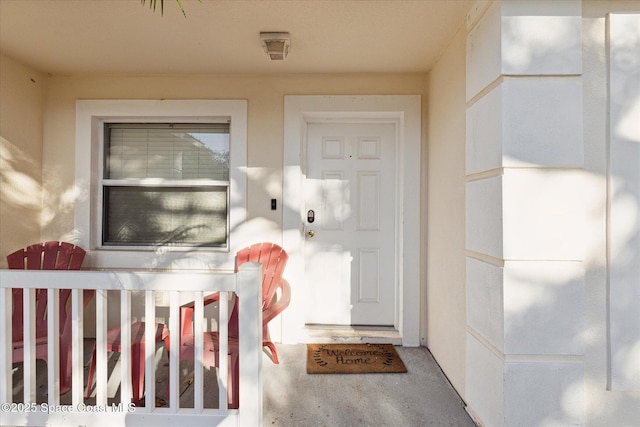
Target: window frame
x=91, y=117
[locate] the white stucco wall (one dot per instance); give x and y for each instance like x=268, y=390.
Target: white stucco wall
x=21, y=97
x=445, y=219
x=265, y=96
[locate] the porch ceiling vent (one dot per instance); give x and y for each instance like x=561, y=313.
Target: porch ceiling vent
x=276, y=45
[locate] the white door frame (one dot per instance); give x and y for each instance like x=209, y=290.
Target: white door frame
x=401, y=109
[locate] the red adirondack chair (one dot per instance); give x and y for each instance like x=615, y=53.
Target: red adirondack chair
x=274, y=260
x=46, y=256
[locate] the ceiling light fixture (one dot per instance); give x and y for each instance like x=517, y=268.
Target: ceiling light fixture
x=276, y=45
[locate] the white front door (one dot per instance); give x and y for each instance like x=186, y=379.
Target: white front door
x=350, y=223
x=402, y=113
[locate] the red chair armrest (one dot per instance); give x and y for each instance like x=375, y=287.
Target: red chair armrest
x=277, y=307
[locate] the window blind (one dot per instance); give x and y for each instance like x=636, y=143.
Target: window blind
x=167, y=151
x=166, y=216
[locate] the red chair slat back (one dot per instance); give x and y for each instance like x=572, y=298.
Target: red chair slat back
x=47, y=256
x=43, y=256
x=273, y=259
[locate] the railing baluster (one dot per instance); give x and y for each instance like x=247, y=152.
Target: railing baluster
x=53, y=349
x=150, y=350
x=77, y=337
x=6, y=369
x=125, y=344
x=223, y=350
x=101, y=347
x=198, y=330
x=174, y=330
x=29, y=349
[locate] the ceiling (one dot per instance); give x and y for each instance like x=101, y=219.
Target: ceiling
x=222, y=36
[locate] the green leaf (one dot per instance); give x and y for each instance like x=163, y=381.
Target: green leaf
x=153, y=3
x=181, y=8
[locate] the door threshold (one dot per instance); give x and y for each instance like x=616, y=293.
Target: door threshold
x=337, y=334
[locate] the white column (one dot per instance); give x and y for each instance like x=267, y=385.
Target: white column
x=524, y=213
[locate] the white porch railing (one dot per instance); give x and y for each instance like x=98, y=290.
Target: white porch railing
x=246, y=284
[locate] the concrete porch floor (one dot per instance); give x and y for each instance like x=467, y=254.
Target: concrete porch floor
x=420, y=397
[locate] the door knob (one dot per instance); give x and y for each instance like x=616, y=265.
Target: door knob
x=311, y=233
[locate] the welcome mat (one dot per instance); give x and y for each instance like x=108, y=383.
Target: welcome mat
x=353, y=359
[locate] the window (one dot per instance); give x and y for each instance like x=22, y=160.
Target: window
x=165, y=184
x=160, y=183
